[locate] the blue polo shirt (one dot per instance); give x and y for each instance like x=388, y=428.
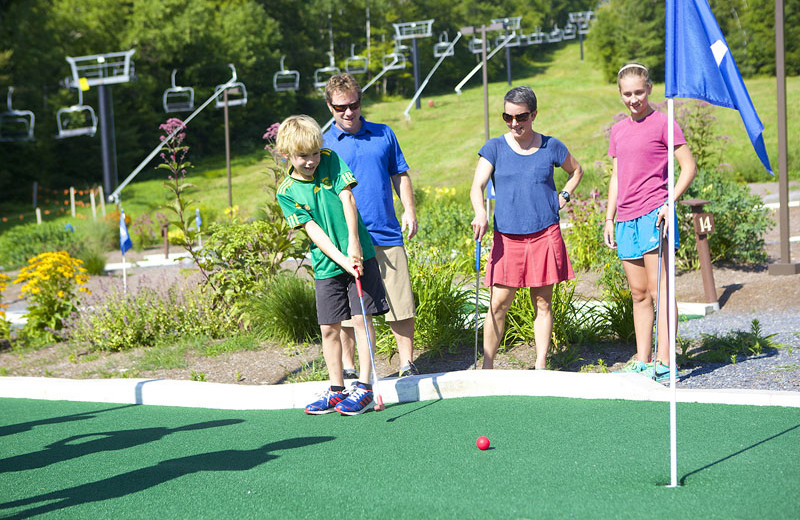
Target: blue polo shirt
x=373, y=155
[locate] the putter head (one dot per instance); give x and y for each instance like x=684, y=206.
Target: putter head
x=379, y=406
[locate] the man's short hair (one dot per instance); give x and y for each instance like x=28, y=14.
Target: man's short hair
x=344, y=83
x=298, y=135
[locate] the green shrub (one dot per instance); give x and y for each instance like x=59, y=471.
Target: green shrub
x=617, y=301
x=444, y=303
x=728, y=348
x=28, y=240
x=444, y=222
x=740, y=221
x=117, y=321
x=284, y=309
x=94, y=260
x=584, y=238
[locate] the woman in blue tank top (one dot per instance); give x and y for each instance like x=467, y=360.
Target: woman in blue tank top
x=528, y=249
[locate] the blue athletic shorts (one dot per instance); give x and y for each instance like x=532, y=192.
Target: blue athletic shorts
x=639, y=236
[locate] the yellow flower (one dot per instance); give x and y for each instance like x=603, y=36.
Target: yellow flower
x=60, y=294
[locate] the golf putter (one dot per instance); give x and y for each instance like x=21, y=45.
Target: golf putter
x=658, y=291
x=379, y=406
x=477, y=287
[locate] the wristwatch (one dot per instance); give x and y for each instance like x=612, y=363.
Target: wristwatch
x=565, y=194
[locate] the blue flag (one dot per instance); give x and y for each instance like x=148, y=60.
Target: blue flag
x=124, y=237
x=197, y=219
x=699, y=65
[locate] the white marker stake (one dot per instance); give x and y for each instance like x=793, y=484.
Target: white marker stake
x=94, y=206
x=72, y=200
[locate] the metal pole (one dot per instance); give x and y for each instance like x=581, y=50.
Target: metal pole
x=580, y=38
x=485, y=84
x=107, y=144
x=415, y=50
x=227, y=146
x=784, y=267
x=508, y=58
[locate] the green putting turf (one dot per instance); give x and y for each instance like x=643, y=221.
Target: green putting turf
x=550, y=458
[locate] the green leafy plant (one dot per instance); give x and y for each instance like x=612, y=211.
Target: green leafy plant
x=197, y=376
x=5, y=325
x=116, y=321
x=584, y=238
x=51, y=282
x=617, y=301
x=730, y=347
x=316, y=370
x=20, y=243
x=283, y=309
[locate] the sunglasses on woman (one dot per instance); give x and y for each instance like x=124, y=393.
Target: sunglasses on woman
x=352, y=106
x=521, y=118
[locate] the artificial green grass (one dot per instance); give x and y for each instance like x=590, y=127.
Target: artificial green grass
x=550, y=458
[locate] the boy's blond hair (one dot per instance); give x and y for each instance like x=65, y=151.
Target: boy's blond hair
x=634, y=69
x=298, y=135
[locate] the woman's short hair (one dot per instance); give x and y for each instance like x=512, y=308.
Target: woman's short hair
x=341, y=83
x=522, y=96
x=298, y=135
x=634, y=69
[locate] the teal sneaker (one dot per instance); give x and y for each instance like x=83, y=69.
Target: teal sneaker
x=636, y=366
x=658, y=372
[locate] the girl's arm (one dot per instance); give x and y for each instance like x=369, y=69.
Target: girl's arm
x=575, y=174
x=351, y=217
x=611, y=208
x=482, y=174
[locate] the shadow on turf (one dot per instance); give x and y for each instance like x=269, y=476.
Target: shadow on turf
x=90, y=443
x=145, y=478
x=723, y=459
x=13, y=429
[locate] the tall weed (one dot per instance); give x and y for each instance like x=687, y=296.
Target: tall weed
x=283, y=309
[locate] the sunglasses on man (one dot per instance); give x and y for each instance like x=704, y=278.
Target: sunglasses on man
x=521, y=118
x=342, y=108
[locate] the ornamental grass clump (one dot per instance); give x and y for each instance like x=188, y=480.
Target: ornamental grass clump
x=51, y=282
x=5, y=326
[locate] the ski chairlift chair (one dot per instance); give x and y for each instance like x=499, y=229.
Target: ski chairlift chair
x=476, y=46
x=512, y=23
x=556, y=35
x=581, y=19
x=16, y=125
x=443, y=48
x=76, y=120
x=322, y=75
x=536, y=37
x=237, y=89
x=570, y=32
x=355, y=64
x=514, y=40
x=178, y=99
x=395, y=60
x=285, y=80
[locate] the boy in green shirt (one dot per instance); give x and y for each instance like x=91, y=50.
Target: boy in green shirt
x=316, y=196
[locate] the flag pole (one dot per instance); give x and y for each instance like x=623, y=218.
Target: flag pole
x=671, y=309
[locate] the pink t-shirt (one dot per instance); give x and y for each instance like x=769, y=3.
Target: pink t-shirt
x=641, y=151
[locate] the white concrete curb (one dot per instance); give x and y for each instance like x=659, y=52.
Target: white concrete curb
x=448, y=385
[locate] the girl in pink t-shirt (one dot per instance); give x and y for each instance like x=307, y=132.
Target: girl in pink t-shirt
x=637, y=196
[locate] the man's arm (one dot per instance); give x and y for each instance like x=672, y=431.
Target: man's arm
x=404, y=190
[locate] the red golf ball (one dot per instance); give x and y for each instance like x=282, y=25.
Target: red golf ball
x=482, y=443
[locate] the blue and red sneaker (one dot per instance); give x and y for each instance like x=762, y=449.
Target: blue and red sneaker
x=359, y=401
x=326, y=403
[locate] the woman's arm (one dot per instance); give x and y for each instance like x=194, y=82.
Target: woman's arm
x=575, y=174
x=611, y=208
x=482, y=174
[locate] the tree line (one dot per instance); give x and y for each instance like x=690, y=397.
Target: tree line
x=200, y=37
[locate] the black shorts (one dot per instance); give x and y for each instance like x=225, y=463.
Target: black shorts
x=337, y=297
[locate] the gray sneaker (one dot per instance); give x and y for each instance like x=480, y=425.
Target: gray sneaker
x=408, y=370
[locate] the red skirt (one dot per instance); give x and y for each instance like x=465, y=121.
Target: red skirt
x=533, y=260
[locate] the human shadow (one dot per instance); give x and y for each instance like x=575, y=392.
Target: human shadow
x=728, y=457
x=88, y=443
x=151, y=476
x=13, y=429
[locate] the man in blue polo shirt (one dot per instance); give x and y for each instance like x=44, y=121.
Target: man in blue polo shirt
x=373, y=154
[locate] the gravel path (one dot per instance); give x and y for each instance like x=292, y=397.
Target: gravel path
x=777, y=369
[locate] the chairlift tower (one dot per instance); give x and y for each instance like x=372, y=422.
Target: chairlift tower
x=414, y=31
x=581, y=19
x=102, y=71
x=510, y=23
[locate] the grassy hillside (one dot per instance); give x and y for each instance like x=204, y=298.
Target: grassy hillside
x=441, y=142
